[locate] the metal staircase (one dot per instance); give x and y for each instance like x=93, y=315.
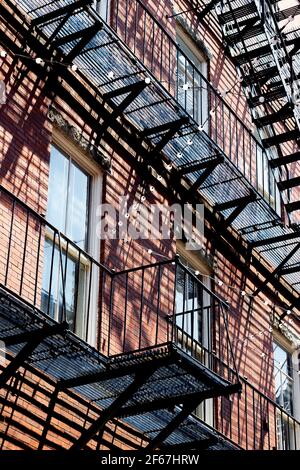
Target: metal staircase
x=265, y=53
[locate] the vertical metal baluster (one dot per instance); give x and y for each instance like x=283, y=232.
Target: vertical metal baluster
x=193, y=93
x=24, y=253
x=254, y=420
x=51, y=270
x=87, y=315
x=161, y=61
x=193, y=345
x=117, y=17
x=174, y=303
x=268, y=421
x=144, y=36
x=158, y=307
x=295, y=435
x=244, y=154
x=261, y=446
x=288, y=434
x=125, y=311
x=37, y=264
x=238, y=418
x=10, y=241
x=77, y=277
x=126, y=17
x=110, y=317
x=152, y=51
x=135, y=27
x=183, y=305
x=64, y=314
x=223, y=145
x=246, y=415
x=102, y=291
x=141, y=308
x=276, y=427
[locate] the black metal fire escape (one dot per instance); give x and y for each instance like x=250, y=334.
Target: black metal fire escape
x=154, y=390
x=67, y=34
x=264, y=48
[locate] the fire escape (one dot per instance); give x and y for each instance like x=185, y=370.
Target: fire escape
x=79, y=52
x=264, y=47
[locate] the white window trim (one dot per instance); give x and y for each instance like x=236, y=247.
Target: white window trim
x=71, y=149
x=285, y=344
x=274, y=200
x=103, y=9
x=196, y=261
x=196, y=51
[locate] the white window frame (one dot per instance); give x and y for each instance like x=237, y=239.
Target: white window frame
x=69, y=148
x=103, y=7
x=285, y=345
x=198, y=264
x=263, y=172
x=197, y=57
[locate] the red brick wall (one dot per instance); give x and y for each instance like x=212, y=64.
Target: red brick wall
x=25, y=137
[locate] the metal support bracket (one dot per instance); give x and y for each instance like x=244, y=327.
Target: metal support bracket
x=172, y=425
x=278, y=270
x=132, y=91
x=110, y=412
x=32, y=340
x=169, y=129
x=209, y=167
x=239, y=204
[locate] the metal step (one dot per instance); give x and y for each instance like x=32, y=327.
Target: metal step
x=277, y=162
x=281, y=138
x=288, y=184
x=292, y=206
x=249, y=31
x=253, y=54
x=238, y=13
x=272, y=95
x=284, y=14
x=285, y=113
x=262, y=76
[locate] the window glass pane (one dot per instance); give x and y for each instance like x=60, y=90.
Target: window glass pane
x=58, y=189
x=283, y=376
x=194, y=99
x=50, y=282
x=77, y=210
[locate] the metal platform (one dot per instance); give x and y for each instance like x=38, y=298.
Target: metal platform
x=218, y=181
x=265, y=51
x=126, y=387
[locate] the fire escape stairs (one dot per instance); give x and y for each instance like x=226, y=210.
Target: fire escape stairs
x=158, y=123
x=264, y=54
x=164, y=385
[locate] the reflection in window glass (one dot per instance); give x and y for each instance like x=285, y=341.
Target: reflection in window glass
x=68, y=198
x=66, y=271
x=191, y=71
x=283, y=375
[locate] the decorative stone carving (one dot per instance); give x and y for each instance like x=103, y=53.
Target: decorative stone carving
x=74, y=134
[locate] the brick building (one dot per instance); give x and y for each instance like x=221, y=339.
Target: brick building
x=115, y=339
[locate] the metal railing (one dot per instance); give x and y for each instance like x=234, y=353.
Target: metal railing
x=255, y=421
x=184, y=79
x=137, y=309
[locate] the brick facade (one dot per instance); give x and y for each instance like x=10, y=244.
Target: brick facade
x=25, y=142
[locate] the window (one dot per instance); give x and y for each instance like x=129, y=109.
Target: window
x=283, y=374
x=67, y=269
x=192, y=91
x=193, y=316
x=102, y=7
x=284, y=378
x=266, y=182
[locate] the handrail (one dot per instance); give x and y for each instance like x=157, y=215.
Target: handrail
x=138, y=30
